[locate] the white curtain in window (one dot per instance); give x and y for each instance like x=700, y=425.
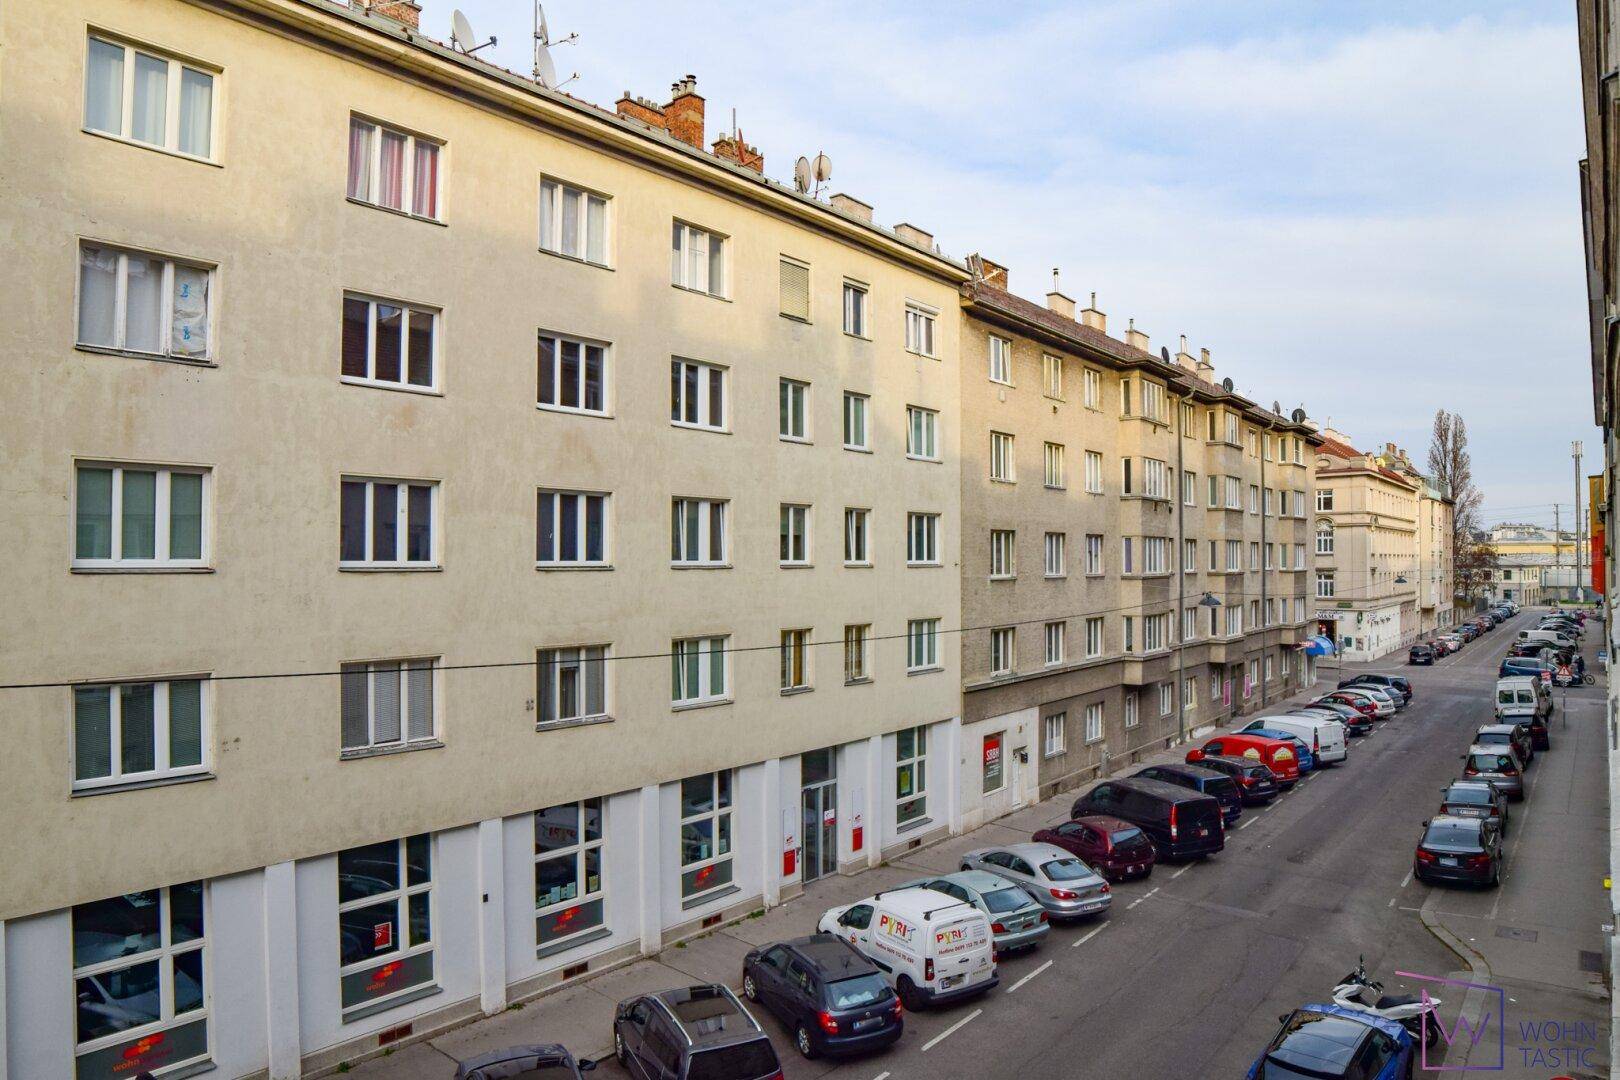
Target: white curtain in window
x=596, y=230
x=196, y=111
x=360, y=136
x=104, y=87
x=571, y=201
x=425, y=195
x=189, y=328
x=391, y=181
x=147, y=123
x=548, y=208
x=98, y=296
x=143, y=304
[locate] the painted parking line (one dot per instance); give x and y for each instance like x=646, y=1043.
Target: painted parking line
x=1246, y=824
x=884, y=1075
x=1093, y=933
x=1407, y=880
x=1183, y=870
x=1141, y=898
x=952, y=1030
x=1030, y=976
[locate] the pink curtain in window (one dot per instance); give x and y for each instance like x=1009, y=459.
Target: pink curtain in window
x=425, y=196
x=359, y=160
x=391, y=181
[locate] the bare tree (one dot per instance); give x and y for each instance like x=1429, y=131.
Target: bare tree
x=1451, y=465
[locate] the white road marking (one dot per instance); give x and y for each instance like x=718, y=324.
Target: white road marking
x=882, y=1075
x=1030, y=976
x=1246, y=824
x=1391, y=902
x=1407, y=880
x=1183, y=870
x=948, y=1032
x=1089, y=936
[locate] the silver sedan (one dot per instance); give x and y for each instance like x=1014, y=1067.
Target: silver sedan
x=1016, y=920
x=1062, y=884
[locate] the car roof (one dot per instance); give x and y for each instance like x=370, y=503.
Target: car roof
x=916, y=901
x=1184, y=768
x=1324, y=1046
x=517, y=1060
x=1034, y=849
x=1104, y=821
x=1489, y=748
x=1233, y=759
x=980, y=881
x=708, y=1014
x=830, y=955
x=1161, y=788
x=1497, y=729
x=1455, y=819
x=1468, y=781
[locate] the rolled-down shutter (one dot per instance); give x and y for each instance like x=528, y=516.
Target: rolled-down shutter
x=795, y=279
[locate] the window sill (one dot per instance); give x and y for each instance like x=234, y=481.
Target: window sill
x=402, y=388
x=857, y=566
x=390, y=569
x=141, y=570
x=794, y=691
x=573, y=722
x=360, y=752
x=683, y=425
x=703, y=898
x=798, y=440
x=577, y=259
x=592, y=414
x=864, y=680
x=1003, y=382
x=795, y=566
x=923, y=565
x=857, y=337
x=139, y=785
x=933, y=670
x=1003, y=577
x=699, y=292
x=362, y=1011
x=1056, y=577
x=923, y=355
x=563, y=568
x=1050, y=754
x=557, y=948
x=396, y=213
x=925, y=460
x=858, y=449
x=181, y=154
x=136, y=354
x=1057, y=487
x=913, y=825
x=692, y=706
x=803, y=320
x=1002, y=480
x=701, y=566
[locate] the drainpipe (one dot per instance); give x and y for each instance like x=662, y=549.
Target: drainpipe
x=1181, y=573
x=1265, y=437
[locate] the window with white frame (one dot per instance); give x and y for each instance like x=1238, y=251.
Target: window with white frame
x=920, y=328
x=385, y=921
x=140, y=516
x=910, y=775
x=1252, y=679
x=1189, y=488
x=571, y=529
x=857, y=652
x=1127, y=555
x=1056, y=642
x=1054, y=465
x=126, y=733
x=1189, y=417
x=697, y=395
x=571, y=376
x=1094, y=553
x=698, y=259
x=705, y=833
x=793, y=281
x=1133, y=702
x=1094, y=720
x=143, y=96
x=388, y=523
x=1268, y=667
x=922, y=539
x=1167, y=699
x=1153, y=405
x=1000, y=360
x=1214, y=491
x=1299, y=556
x=857, y=537
x=388, y=704
x=1189, y=556
x=1324, y=499
x=1232, y=429
x=922, y=427
x=1002, y=545
x=1155, y=632
x=137, y=302
x=855, y=301
x=1254, y=498
x=1125, y=397
x=1056, y=565
x=138, y=978
x=792, y=410
x=1189, y=694
x=1052, y=734
x=390, y=343
x=1094, y=637
x=1324, y=537
x=855, y=421
x=698, y=532
x=698, y=671
x=393, y=169
x=1001, y=457
x=573, y=222
x=1155, y=479
x=1189, y=624
x=1002, y=642
x=571, y=684
x=1324, y=583
x=1234, y=619
x=1126, y=486
x=1094, y=472
x=794, y=535
x=795, y=657
x=1234, y=556
x=1155, y=555
x=1271, y=552
x=1052, y=375
x=569, y=895
x=922, y=644
x=1091, y=387
x=1254, y=554
x=1234, y=493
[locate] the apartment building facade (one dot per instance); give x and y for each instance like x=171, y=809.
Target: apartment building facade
x=470, y=537
x=1135, y=547
x=1436, y=571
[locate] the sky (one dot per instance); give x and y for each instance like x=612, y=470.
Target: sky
x=1366, y=208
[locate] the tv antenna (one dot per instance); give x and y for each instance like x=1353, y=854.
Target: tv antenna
x=462, y=36
x=545, y=71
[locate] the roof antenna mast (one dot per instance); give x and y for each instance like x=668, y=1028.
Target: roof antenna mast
x=545, y=72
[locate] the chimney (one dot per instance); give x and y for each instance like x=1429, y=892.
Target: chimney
x=405, y=12
x=683, y=116
x=1135, y=338
x=991, y=273
x=1184, y=359
x=1206, y=369
x=734, y=149
x=852, y=206
x=1056, y=302
x=1093, y=318
x=913, y=235
x=638, y=108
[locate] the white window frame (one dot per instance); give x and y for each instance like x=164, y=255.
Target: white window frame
x=1155, y=555
x=1325, y=537
x=162, y=512
x=924, y=424
x=1094, y=554
x=922, y=645
x=1167, y=699
x=912, y=806
x=549, y=656
x=1324, y=500
x=583, y=345
x=1055, y=478
x=922, y=548
x=857, y=653
x=1189, y=488
x=683, y=238
x=1326, y=584
x=857, y=536
x=401, y=526
x=1003, y=554
x=704, y=509
x=1091, y=388
x=1189, y=556
x=1052, y=376
x=579, y=852
x=857, y=309
x=1094, y=637
x=1001, y=360
x=1094, y=722
x=705, y=649
x=793, y=404
x=1153, y=401
x=1057, y=642
x=408, y=179
x=171, y=109
x=407, y=947
x=856, y=411
x=551, y=225
x=1094, y=472
x=581, y=524
x=400, y=668
x=795, y=660
x=120, y=344
x=161, y=721
x=722, y=803
x=793, y=530
x=1133, y=707
x=921, y=327
x=1003, y=650
x=409, y=312
x=1056, y=551
x=1155, y=479
x=1053, y=734
x=1003, y=459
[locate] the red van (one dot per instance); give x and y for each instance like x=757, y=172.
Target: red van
x=1275, y=754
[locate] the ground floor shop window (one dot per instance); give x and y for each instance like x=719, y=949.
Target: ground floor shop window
x=138, y=980
x=385, y=922
x=568, y=893
x=911, y=775
x=994, y=773
x=705, y=833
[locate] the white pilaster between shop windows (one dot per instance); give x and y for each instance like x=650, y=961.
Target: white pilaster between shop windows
x=4, y=1053
x=491, y=918
x=951, y=758
x=652, y=885
x=868, y=794
x=281, y=971
x=771, y=808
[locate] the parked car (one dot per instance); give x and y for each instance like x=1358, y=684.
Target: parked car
x=1523, y=665
x=1016, y=920
x=1256, y=783
x=1382, y=707
x=694, y=1033
x=1197, y=778
x=931, y=948
x=1475, y=798
x=1520, y=697
x=1514, y=734
x=833, y=999
x=1278, y=755
x=1112, y=846
x=1380, y=694
x=1401, y=697
x=544, y=1061
x=1366, y=706
x=1452, y=642
x=1420, y=654
x=1355, y=723
x=1468, y=631
x=1501, y=765
x=1331, y=1042
x=1181, y=823
x=1324, y=739
x=1062, y=884
x=1302, y=749
x=1540, y=732
x=1466, y=849
x=1373, y=678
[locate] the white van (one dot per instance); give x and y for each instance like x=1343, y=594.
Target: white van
x=1522, y=695
x=931, y=947
x=1324, y=737
x=1551, y=637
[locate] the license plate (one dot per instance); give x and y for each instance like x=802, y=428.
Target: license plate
x=1448, y=862
x=1203, y=832
x=869, y=1022
x=950, y=980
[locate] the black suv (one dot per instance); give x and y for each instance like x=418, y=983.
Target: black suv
x=1206, y=781
x=541, y=1062
x=1420, y=654
x=697, y=1033
x=1180, y=823
x=832, y=998
x=1256, y=783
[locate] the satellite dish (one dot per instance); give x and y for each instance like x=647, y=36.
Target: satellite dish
x=1226, y=384
x=545, y=72
x=1299, y=416
x=540, y=30
x=801, y=175
x=461, y=31
x=1164, y=354
x=823, y=167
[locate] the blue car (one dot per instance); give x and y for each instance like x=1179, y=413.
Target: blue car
x=1307, y=760
x=1330, y=1042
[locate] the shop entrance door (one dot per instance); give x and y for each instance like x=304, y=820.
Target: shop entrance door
x=819, y=801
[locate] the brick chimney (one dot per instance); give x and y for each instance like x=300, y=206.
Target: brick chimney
x=1093, y=318
x=639, y=108
x=991, y=273
x=852, y=206
x=1184, y=359
x=737, y=150
x=1206, y=369
x=913, y=235
x=683, y=116
x=1135, y=338
x=405, y=12
x=1056, y=302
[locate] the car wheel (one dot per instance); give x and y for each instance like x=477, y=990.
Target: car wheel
x=618, y=1049
x=806, y=1045
x=910, y=996
x=750, y=991
x=1496, y=875
x=965, y=866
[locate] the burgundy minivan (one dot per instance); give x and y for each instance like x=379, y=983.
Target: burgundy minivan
x=1114, y=848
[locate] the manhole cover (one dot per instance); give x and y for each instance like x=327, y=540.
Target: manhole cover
x=1513, y=933
x=1591, y=961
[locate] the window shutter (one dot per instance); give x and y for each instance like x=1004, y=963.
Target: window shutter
x=185, y=723
x=355, y=729
x=795, y=289
x=92, y=732
x=385, y=678
x=419, y=699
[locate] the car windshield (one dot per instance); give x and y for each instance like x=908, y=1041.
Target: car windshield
x=1493, y=738
x=857, y=992
x=744, y=1061
x=1065, y=870
x=1004, y=900
x=1276, y=1070
x=1124, y=836
x=1452, y=835
x=1490, y=762
x=1468, y=795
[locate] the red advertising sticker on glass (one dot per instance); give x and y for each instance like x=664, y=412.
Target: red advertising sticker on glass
x=382, y=935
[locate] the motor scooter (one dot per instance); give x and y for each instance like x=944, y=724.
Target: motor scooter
x=1364, y=994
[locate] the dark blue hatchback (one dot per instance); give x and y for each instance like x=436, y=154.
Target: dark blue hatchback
x=1329, y=1042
